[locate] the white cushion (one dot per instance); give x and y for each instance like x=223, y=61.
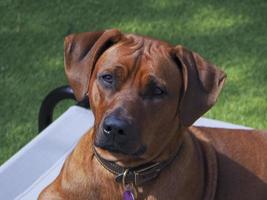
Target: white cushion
x=26, y=173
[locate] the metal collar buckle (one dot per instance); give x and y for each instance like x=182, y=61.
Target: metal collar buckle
x=124, y=177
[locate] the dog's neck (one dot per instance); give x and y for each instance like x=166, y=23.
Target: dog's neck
x=188, y=168
x=171, y=146
x=139, y=174
x=197, y=175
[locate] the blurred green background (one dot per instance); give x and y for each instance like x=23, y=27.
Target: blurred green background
x=230, y=33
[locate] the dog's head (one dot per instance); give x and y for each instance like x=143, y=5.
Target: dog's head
x=142, y=91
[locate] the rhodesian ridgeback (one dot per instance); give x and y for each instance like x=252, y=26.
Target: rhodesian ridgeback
x=145, y=95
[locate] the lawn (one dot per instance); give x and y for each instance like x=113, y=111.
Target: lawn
x=230, y=33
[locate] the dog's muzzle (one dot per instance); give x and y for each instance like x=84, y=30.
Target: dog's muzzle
x=118, y=135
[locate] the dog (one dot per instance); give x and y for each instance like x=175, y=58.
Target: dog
x=145, y=94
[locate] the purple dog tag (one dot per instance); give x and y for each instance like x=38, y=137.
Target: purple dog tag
x=128, y=195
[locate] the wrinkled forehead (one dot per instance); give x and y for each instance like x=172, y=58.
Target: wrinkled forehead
x=138, y=52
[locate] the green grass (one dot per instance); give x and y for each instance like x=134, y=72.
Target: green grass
x=231, y=33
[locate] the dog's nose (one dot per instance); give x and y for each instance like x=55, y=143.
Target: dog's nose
x=115, y=127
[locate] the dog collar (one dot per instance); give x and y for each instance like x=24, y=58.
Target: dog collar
x=135, y=175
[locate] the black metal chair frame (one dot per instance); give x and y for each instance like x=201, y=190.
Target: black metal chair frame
x=51, y=100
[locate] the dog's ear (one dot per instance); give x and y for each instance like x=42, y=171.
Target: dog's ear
x=202, y=83
x=81, y=52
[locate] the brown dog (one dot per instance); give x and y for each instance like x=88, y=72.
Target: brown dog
x=145, y=94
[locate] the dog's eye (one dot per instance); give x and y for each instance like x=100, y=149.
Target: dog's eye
x=157, y=91
x=107, y=79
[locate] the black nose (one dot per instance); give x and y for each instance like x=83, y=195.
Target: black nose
x=115, y=127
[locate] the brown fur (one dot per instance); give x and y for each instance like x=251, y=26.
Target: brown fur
x=212, y=163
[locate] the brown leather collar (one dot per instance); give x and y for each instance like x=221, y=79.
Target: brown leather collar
x=135, y=175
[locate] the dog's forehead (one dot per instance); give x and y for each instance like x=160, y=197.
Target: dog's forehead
x=137, y=52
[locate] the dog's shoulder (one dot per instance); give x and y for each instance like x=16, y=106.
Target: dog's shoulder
x=233, y=141
x=241, y=161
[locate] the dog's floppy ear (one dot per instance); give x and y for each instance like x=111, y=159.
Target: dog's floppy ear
x=202, y=83
x=81, y=52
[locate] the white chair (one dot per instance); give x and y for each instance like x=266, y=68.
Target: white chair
x=26, y=173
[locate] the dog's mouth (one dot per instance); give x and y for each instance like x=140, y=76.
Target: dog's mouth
x=124, y=151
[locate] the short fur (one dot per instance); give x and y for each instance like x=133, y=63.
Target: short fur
x=221, y=164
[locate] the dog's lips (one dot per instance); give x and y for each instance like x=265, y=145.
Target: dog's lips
x=111, y=156
x=118, y=150
x=111, y=149
x=125, y=160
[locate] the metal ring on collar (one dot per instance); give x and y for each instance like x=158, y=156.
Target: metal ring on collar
x=124, y=177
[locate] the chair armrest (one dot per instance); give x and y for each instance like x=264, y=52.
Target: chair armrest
x=51, y=100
